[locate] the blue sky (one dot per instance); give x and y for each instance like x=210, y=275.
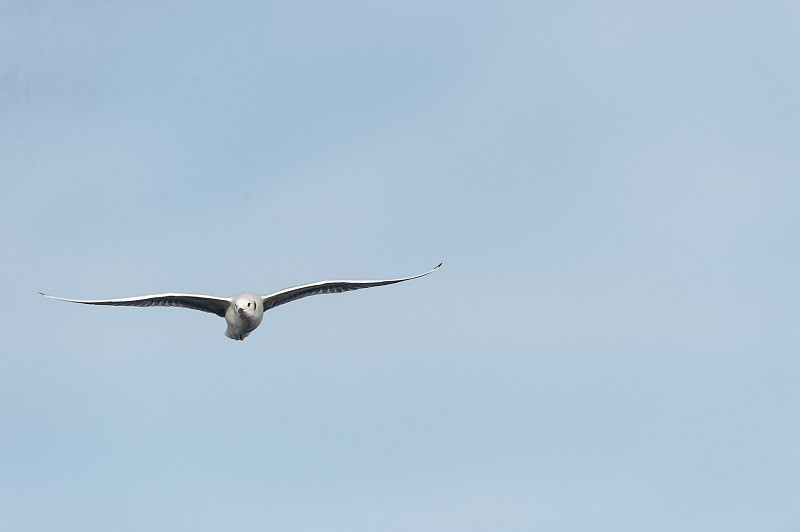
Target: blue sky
x=611, y=344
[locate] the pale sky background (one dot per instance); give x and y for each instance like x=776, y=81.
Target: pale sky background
x=611, y=344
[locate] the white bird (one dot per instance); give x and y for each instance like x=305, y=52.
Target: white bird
x=242, y=312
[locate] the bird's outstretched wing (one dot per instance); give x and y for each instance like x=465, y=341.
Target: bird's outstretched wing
x=212, y=304
x=326, y=287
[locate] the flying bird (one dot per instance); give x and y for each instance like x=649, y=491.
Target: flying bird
x=242, y=312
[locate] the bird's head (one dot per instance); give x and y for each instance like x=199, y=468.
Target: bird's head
x=245, y=305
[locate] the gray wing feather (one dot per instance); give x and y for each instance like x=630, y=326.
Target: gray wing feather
x=212, y=304
x=327, y=287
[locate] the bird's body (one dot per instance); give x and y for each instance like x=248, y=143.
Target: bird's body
x=244, y=315
x=242, y=312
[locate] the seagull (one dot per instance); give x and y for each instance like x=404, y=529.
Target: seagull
x=242, y=312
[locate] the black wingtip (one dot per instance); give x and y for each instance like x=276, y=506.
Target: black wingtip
x=439, y=265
